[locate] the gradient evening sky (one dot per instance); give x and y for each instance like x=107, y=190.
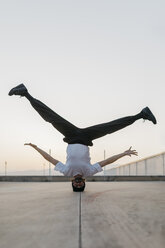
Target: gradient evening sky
x=90, y=61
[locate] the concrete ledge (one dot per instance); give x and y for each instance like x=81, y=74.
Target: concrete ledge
x=89, y=179
x=34, y=179
x=125, y=178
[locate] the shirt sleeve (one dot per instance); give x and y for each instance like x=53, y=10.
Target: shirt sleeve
x=60, y=167
x=95, y=168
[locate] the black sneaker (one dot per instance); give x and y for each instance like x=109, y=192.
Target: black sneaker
x=18, y=90
x=148, y=115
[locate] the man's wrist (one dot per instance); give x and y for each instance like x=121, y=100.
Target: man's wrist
x=34, y=146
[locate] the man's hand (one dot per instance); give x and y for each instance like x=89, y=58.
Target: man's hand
x=30, y=144
x=131, y=152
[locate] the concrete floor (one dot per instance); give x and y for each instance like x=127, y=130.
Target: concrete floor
x=107, y=214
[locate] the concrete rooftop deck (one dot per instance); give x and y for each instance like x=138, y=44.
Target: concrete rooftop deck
x=107, y=214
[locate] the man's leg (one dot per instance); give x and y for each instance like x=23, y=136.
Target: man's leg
x=97, y=131
x=72, y=133
x=63, y=126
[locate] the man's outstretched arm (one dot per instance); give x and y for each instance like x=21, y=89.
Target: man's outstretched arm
x=118, y=156
x=43, y=153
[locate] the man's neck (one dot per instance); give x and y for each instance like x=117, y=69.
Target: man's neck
x=78, y=175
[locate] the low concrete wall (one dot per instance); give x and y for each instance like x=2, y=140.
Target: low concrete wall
x=89, y=179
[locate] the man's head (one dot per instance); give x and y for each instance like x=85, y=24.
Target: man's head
x=78, y=184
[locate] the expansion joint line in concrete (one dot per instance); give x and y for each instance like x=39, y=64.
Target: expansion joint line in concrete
x=80, y=234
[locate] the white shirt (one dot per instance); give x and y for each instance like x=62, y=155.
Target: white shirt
x=78, y=162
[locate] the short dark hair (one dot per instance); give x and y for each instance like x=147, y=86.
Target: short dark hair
x=81, y=189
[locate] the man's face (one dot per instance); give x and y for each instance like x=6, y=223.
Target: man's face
x=78, y=182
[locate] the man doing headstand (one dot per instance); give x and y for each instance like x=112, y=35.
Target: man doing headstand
x=78, y=159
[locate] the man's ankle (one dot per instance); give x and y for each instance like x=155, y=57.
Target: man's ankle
x=139, y=116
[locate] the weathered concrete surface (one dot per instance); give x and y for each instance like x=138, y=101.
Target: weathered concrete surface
x=124, y=215
x=88, y=179
x=36, y=215
x=111, y=214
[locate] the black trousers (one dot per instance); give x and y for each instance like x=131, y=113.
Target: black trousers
x=73, y=134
